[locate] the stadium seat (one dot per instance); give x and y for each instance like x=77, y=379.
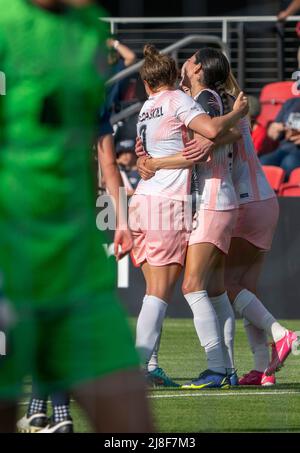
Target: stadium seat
x=275, y=176
x=272, y=98
x=295, y=177
x=290, y=190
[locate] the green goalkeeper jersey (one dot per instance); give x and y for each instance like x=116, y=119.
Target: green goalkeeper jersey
x=50, y=250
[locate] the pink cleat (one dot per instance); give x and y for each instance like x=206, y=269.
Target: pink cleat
x=280, y=351
x=257, y=378
x=268, y=380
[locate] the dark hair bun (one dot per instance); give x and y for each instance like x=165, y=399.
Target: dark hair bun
x=150, y=51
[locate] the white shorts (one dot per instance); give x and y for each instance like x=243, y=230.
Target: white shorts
x=257, y=222
x=215, y=227
x=158, y=228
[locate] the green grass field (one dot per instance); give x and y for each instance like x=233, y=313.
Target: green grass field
x=240, y=409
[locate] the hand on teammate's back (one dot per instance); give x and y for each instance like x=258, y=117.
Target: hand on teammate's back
x=198, y=149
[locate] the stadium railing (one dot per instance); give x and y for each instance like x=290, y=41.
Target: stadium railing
x=261, y=50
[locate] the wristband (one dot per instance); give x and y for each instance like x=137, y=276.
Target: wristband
x=116, y=44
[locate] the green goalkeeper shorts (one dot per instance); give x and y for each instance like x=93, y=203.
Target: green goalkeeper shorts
x=66, y=347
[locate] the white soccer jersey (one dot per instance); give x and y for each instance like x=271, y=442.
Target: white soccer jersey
x=248, y=176
x=162, y=126
x=213, y=179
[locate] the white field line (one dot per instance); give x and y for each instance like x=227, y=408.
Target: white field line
x=222, y=393
x=225, y=393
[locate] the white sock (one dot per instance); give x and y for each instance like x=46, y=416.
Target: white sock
x=258, y=341
x=208, y=329
x=248, y=306
x=226, y=318
x=153, y=362
x=149, y=325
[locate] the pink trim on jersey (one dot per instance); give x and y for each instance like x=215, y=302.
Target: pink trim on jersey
x=214, y=187
x=247, y=170
x=185, y=139
x=217, y=192
x=253, y=177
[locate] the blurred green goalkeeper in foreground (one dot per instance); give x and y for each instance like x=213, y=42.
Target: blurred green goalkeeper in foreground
x=63, y=326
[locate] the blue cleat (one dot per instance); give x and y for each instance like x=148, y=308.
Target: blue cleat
x=233, y=378
x=208, y=379
x=158, y=378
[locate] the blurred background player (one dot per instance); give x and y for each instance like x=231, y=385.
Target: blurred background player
x=126, y=159
x=61, y=294
x=36, y=418
x=290, y=8
x=119, y=58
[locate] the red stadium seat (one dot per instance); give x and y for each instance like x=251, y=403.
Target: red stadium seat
x=272, y=98
x=295, y=177
x=290, y=190
x=262, y=143
x=275, y=176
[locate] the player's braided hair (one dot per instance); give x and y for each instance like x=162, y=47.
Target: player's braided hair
x=216, y=70
x=220, y=89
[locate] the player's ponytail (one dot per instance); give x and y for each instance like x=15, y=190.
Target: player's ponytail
x=151, y=52
x=231, y=86
x=158, y=69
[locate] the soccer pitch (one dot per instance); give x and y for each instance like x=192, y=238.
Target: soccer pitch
x=239, y=409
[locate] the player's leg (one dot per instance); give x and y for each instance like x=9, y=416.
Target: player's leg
x=21, y=336
x=61, y=420
x=202, y=260
x=8, y=416
x=244, y=257
x=116, y=403
x=153, y=362
x=274, y=158
x=225, y=314
x=238, y=273
x=156, y=375
x=35, y=418
x=160, y=281
x=290, y=162
x=93, y=352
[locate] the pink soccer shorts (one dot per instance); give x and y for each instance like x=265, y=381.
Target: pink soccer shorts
x=257, y=222
x=215, y=227
x=159, y=231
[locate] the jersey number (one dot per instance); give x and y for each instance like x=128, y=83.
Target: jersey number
x=143, y=130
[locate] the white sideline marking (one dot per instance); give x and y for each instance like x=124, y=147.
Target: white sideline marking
x=225, y=393
x=222, y=393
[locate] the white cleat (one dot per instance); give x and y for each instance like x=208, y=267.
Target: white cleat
x=32, y=424
x=65, y=427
